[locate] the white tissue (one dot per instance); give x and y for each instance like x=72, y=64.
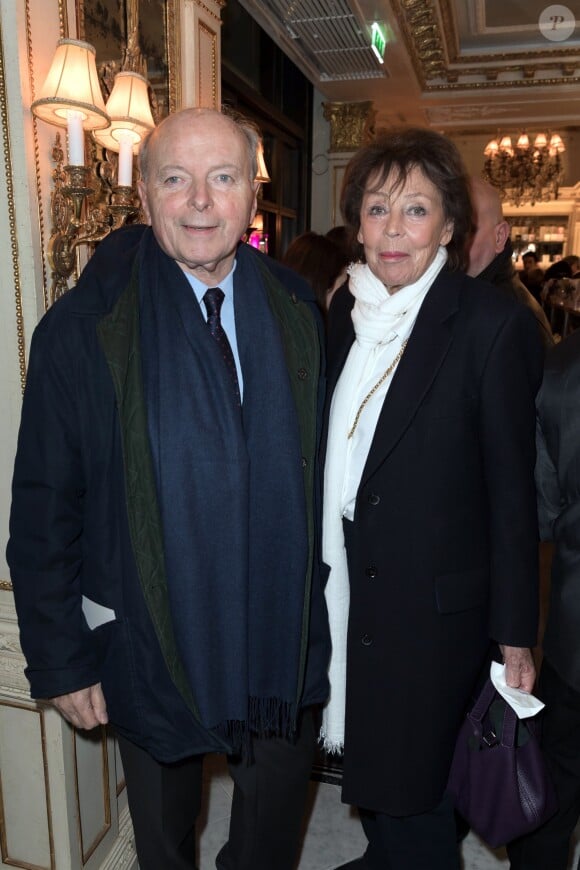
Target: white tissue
x=523, y=703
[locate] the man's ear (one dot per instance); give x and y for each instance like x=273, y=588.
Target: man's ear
x=502, y=234
x=142, y=191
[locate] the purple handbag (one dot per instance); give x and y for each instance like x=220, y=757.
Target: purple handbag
x=498, y=780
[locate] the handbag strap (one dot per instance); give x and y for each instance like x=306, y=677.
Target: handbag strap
x=482, y=705
x=483, y=702
x=510, y=723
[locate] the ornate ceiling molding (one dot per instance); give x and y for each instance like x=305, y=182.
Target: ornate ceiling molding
x=430, y=34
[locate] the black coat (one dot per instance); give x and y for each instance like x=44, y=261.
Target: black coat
x=558, y=482
x=442, y=552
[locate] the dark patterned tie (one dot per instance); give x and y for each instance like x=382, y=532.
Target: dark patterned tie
x=213, y=299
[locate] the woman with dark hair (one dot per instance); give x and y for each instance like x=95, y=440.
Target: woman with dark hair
x=320, y=261
x=429, y=518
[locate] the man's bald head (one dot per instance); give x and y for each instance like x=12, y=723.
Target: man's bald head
x=491, y=230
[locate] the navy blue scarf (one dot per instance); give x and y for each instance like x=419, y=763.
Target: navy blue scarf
x=231, y=497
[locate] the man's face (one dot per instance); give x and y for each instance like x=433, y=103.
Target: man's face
x=198, y=195
x=529, y=263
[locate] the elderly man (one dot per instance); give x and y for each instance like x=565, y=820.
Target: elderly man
x=163, y=542
x=490, y=252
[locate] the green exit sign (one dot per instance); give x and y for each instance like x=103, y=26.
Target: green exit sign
x=378, y=41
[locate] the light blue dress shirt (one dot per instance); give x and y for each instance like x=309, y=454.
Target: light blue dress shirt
x=227, y=313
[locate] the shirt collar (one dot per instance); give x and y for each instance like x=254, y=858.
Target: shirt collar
x=226, y=284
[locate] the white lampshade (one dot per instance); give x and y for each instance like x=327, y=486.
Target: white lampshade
x=491, y=148
x=506, y=144
x=556, y=143
x=262, y=174
x=523, y=142
x=72, y=86
x=129, y=110
x=540, y=141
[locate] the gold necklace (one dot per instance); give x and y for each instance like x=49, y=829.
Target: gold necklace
x=381, y=380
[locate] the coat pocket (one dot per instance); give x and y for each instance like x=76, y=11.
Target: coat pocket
x=461, y=590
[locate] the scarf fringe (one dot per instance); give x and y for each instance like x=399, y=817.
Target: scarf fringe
x=267, y=717
x=329, y=745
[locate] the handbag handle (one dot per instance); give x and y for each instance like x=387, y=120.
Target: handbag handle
x=482, y=705
x=483, y=702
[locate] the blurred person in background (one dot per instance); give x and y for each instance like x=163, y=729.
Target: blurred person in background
x=320, y=261
x=490, y=252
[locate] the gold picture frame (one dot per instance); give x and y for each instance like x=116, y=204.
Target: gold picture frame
x=106, y=25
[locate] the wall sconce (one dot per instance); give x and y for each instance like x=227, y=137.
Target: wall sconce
x=71, y=97
x=130, y=115
x=262, y=174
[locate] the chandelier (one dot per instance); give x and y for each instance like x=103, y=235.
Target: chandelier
x=527, y=172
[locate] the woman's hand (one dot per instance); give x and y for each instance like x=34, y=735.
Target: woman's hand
x=520, y=671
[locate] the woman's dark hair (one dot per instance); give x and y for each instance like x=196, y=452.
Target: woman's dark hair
x=343, y=238
x=318, y=260
x=401, y=151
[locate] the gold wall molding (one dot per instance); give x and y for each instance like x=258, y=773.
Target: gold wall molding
x=211, y=12
x=208, y=39
x=12, y=218
x=41, y=222
x=351, y=124
x=173, y=27
x=63, y=18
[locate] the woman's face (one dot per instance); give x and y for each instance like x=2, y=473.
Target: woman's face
x=402, y=227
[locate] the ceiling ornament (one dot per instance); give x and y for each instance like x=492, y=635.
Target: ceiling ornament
x=529, y=171
x=430, y=35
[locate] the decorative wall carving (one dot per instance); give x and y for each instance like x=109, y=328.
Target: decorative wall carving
x=351, y=124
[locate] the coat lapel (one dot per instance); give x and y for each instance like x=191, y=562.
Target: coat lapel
x=425, y=352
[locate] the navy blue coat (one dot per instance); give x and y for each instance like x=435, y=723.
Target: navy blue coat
x=69, y=534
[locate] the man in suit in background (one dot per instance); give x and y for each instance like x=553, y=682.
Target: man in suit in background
x=490, y=252
x=558, y=484
x=163, y=538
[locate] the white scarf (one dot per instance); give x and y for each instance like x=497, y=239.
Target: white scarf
x=378, y=320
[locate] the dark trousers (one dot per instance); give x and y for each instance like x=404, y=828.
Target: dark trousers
x=548, y=847
x=423, y=842
x=267, y=808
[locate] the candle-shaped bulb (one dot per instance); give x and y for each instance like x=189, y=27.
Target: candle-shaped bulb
x=125, y=174
x=76, y=138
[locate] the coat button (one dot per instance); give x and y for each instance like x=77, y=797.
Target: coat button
x=366, y=640
x=374, y=499
x=302, y=374
x=371, y=572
